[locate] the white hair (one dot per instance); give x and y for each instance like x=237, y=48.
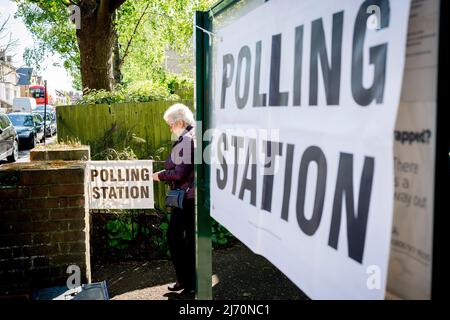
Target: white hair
x=177, y=112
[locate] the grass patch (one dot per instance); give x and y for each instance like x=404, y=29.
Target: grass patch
x=69, y=143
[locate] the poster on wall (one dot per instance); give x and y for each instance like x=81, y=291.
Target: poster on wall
x=305, y=98
x=414, y=158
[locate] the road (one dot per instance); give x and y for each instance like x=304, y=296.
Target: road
x=24, y=155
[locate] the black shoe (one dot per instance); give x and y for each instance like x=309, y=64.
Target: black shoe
x=175, y=287
x=188, y=291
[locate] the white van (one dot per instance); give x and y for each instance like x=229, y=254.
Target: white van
x=24, y=104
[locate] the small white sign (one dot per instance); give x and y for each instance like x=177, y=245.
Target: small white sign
x=120, y=184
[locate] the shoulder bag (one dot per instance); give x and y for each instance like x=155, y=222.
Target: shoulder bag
x=175, y=198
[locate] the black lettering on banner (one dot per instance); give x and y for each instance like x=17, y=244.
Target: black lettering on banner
x=378, y=55
x=120, y=189
x=145, y=192
x=330, y=64
x=94, y=173
x=227, y=78
x=111, y=175
x=134, y=174
x=222, y=182
x=96, y=194
x=134, y=192
x=112, y=193
x=244, y=53
x=119, y=175
x=312, y=154
x=259, y=99
x=356, y=224
x=250, y=184
x=276, y=98
x=271, y=149
x=104, y=191
x=287, y=182
x=145, y=174
x=298, y=57
x=237, y=143
x=331, y=74
x=104, y=175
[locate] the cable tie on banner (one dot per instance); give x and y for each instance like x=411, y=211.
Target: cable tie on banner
x=211, y=14
x=210, y=34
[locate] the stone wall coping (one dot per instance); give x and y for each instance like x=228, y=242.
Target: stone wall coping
x=43, y=165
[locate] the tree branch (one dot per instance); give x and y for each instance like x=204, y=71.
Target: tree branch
x=11, y=44
x=132, y=36
x=3, y=26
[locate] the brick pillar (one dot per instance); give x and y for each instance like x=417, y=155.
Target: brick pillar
x=44, y=224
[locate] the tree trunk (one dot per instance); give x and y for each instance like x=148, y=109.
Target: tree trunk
x=96, y=41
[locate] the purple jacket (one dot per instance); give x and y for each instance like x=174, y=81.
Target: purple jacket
x=179, y=166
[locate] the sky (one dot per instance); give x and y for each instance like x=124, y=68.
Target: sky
x=57, y=77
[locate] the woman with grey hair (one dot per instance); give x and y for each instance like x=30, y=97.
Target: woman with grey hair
x=179, y=174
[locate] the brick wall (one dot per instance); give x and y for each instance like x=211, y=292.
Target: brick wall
x=44, y=224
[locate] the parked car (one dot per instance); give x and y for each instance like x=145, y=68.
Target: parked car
x=50, y=123
x=39, y=120
x=41, y=108
x=9, y=141
x=29, y=127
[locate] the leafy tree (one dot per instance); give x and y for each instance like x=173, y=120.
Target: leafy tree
x=166, y=26
x=92, y=50
x=119, y=41
x=52, y=32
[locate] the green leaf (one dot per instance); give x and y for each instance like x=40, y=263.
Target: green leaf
x=164, y=226
x=113, y=243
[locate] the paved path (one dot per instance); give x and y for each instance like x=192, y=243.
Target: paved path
x=237, y=274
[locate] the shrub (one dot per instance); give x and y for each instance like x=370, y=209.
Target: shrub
x=139, y=92
x=220, y=236
x=171, y=88
x=181, y=86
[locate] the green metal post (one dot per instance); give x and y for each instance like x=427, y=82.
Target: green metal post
x=203, y=219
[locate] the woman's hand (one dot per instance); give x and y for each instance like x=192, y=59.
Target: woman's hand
x=155, y=176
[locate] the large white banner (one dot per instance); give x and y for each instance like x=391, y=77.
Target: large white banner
x=414, y=150
x=126, y=184
x=304, y=107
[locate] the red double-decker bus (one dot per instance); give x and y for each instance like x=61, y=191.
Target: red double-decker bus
x=38, y=92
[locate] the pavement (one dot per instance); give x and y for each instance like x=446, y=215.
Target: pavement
x=238, y=274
